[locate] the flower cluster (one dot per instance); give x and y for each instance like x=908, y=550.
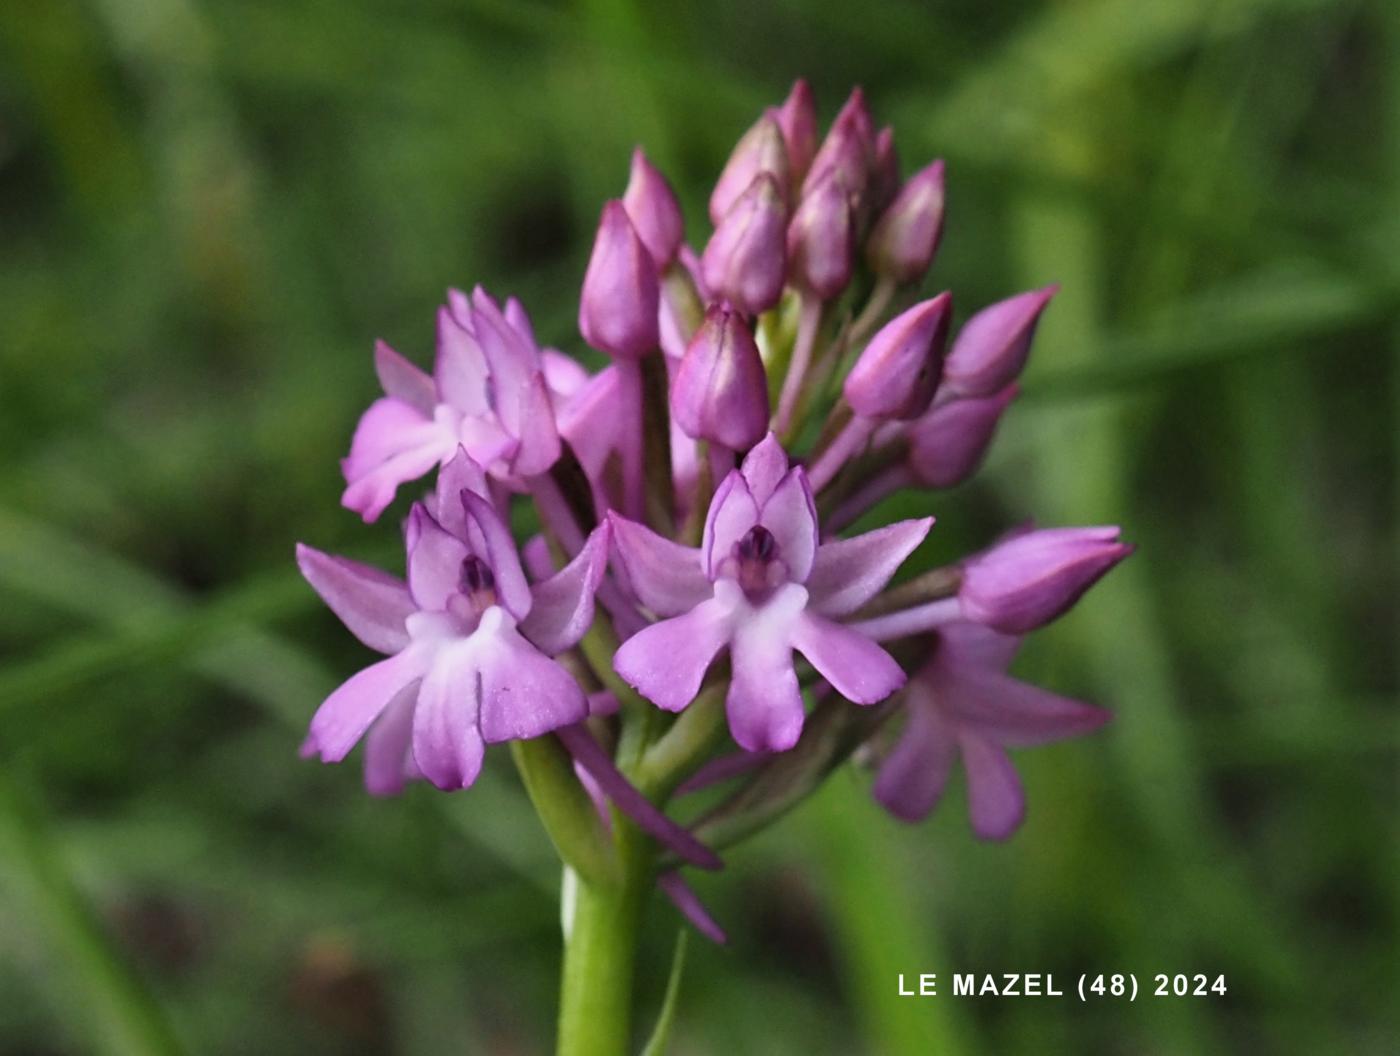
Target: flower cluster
x=688, y=589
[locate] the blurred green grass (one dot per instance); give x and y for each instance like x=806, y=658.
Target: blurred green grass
x=209, y=210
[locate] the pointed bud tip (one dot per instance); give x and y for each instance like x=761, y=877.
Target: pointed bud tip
x=1034, y=577
x=762, y=149
x=898, y=372
x=618, y=308
x=720, y=390
x=906, y=237
x=652, y=207
x=992, y=348
x=745, y=261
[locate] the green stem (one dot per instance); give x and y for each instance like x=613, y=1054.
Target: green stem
x=595, y=1000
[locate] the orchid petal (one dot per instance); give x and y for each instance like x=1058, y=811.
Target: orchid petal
x=460, y=368
x=510, y=359
x=404, y=380
x=533, y=424
x=524, y=694
x=684, y=898
x=631, y=802
x=764, y=704
x=791, y=515
x=562, y=609
x=732, y=513
x=372, y=604
x=564, y=374
x=963, y=645
x=435, y=559
x=1017, y=714
x=855, y=666
x=764, y=467
x=519, y=319
x=849, y=572
x=995, y=798
x=388, y=427
x=913, y=776
x=667, y=661
x=535, y=556
x=665, y=576
x=447, y=745
x=461, y=473
x=388, y=742
x=369, y=495
x=501, y=555
x=590, y=419
x=348, y=712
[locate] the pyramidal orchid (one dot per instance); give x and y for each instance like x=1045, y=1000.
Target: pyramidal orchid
x=469, y=642
x=690, y=610
x=962, y=703
x=762, y=587
x=489, y=393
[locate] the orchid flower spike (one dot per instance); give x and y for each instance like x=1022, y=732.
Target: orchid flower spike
x=962, y=702
x=468, y=642
x=490, y=392
x=761, y=587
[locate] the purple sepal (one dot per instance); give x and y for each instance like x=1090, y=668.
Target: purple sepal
x=963, y=703
x=688, y=902
x=590, y=755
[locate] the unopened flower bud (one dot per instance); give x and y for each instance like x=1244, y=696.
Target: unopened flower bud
x=720, y=390
x=760, y=150
x=1031, y=578
x=652, y=207
x=618, y=310
x=847, y=150
x=948, y=443
x=821, y=240
x=992, y=347
x=797, y=118
x=745, y=261
x=896, y=375
x=907, y=234
x=884, y=171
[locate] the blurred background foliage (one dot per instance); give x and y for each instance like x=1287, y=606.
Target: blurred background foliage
x=208, y=210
